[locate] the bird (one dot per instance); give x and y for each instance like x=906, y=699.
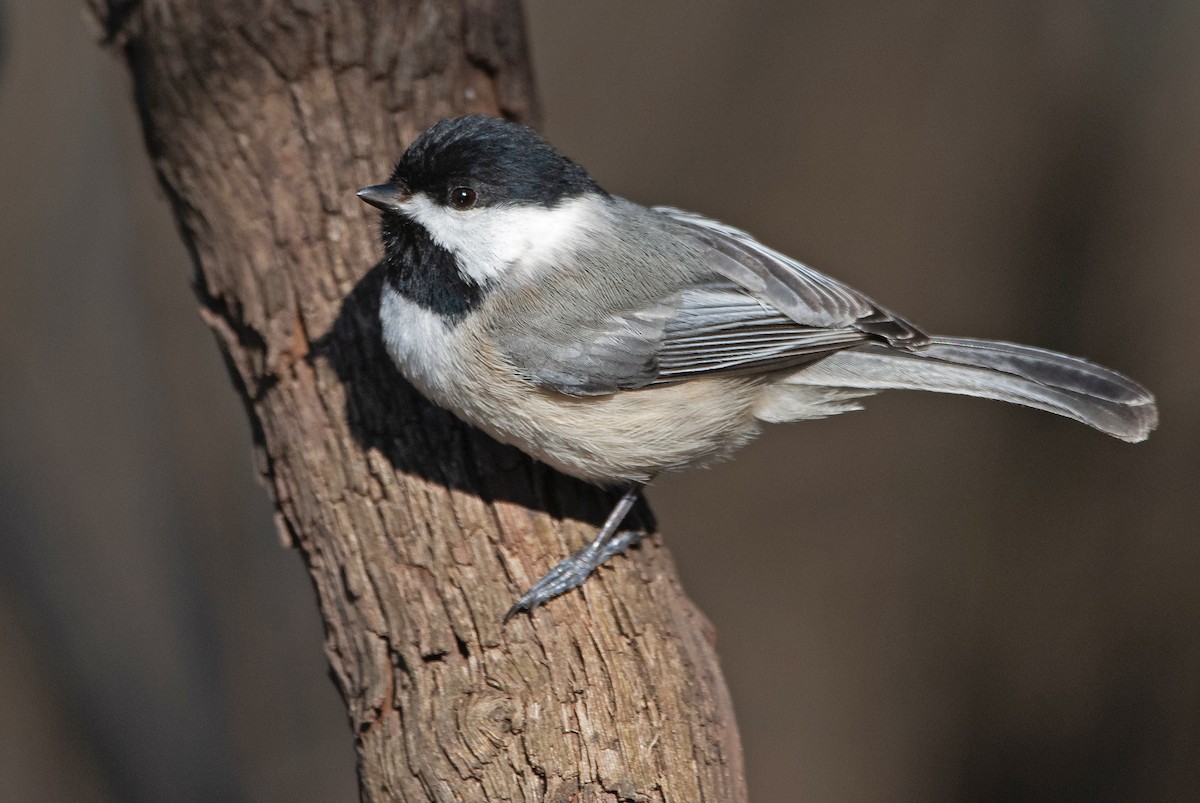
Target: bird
x=615, y=341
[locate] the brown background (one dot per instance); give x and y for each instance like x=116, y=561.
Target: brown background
x=937, y=599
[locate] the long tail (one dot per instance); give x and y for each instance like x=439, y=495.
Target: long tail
x=1007, y=372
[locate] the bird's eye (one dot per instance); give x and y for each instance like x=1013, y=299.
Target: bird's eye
x=462, y=197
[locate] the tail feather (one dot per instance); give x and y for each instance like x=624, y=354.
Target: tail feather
x=1033, y=377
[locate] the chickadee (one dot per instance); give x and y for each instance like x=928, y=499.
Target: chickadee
x=615, y=341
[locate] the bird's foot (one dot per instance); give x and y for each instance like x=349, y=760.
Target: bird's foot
x=571, y=573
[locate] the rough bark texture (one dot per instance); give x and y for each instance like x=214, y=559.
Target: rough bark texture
x=262, y=119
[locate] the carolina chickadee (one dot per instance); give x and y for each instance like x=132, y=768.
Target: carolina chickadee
x=615, y=341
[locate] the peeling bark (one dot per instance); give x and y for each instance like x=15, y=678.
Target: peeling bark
x=261, y=120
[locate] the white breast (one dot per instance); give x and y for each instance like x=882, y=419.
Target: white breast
x=421, y=343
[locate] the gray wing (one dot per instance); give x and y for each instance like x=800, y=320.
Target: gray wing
x=711, y=328
x=757, y=311
x=806, y=296
x=608, y=352
x=719, y=328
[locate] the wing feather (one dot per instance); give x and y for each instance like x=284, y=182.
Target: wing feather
x=805, y=295
x=721, y=329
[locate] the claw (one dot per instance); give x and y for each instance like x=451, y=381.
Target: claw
x=571, y=573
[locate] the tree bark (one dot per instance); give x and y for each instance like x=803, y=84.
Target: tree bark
x=261, y=120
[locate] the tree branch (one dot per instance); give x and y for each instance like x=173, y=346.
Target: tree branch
x=262, y=120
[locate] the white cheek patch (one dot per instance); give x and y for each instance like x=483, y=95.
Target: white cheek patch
x=491, y=242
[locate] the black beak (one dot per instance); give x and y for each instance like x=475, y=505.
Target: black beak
x=388, y=197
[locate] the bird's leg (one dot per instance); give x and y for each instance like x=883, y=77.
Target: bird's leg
x=574, y=570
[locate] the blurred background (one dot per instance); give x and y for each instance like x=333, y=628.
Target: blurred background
x=937, y=599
